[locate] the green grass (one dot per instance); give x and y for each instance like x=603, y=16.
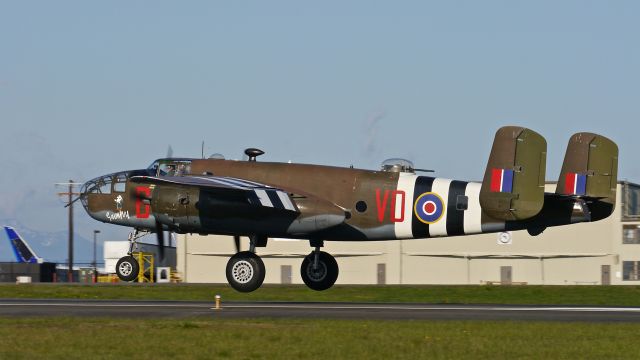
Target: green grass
x=551, y=295
x=210, y=338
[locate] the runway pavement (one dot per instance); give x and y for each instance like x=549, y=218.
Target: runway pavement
x=185, y=309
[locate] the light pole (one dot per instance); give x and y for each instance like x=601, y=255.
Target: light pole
x=95, y=264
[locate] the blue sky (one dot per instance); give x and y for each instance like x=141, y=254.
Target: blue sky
x=88, y=88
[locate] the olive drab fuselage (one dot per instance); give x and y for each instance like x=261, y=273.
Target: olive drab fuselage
x=336, y=203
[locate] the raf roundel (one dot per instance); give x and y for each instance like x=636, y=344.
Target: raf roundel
x=429, y=208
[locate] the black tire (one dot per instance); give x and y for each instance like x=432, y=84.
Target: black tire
x=324, y=276
x=245, y=271
x=127, y=268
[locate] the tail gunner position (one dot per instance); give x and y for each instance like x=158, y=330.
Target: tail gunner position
x=317, y=203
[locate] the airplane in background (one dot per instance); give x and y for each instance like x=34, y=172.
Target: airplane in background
x=316, y=203
x=21, y=249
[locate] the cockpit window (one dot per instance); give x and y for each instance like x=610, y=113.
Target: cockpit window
x=154, y=166
x=174, y=168
x=120, y=183
x=104, y=185
x=100, y=185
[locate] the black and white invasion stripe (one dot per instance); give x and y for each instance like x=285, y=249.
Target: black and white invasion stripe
x=456, y=219
x=272, y=198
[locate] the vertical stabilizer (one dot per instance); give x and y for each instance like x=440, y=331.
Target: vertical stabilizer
x=22, y=250
x=590, y=167
x=513, y=184
x=590, y=171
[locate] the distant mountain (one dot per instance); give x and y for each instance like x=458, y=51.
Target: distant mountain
x=51, y=246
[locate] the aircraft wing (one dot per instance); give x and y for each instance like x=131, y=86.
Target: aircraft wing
x=224, y=200
x=256, y=193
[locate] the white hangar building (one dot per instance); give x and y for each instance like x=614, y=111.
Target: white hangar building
x=603, y=252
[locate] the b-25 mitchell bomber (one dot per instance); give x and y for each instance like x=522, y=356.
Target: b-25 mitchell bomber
x=317, y=203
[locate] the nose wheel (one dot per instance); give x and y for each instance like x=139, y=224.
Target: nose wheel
x=245, y=271
x=319, y=270
x=127, y=268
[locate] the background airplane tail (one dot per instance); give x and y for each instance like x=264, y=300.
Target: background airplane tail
x=590, y=172
x=22, y=250
x=513, y=184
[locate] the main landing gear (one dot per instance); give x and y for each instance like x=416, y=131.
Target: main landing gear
x=319, y=270
x=127, y=267
x=246, y=270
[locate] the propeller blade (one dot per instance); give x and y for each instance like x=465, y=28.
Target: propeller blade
x=169, y=152
x=236, y=240
x=172, y=239
x=160, y=236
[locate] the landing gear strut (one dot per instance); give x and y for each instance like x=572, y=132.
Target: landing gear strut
x=319, y=270
x=127, y=268
x=245, y=270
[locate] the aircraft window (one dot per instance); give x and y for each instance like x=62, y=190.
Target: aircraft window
x=91, y=187
x=104, y=185
x=153, y=168
x=174, y=168
x=361, y=206
x=120, y=184
x=462, y=202
x=183, y=169
x=167, y=169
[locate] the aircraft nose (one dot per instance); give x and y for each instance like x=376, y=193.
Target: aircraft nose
x=83, y=196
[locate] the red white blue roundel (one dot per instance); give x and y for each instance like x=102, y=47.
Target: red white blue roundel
x=429, y=207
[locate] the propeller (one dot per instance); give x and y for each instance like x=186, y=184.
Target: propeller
x=160, y=237
x=236, y=240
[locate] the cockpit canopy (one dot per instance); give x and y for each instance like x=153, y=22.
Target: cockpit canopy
x=397, y=165
x=171, y=167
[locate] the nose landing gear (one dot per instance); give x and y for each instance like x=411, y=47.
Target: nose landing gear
x=127, y=268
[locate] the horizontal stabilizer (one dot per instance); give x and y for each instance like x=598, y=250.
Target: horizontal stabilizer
x=513, y=184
